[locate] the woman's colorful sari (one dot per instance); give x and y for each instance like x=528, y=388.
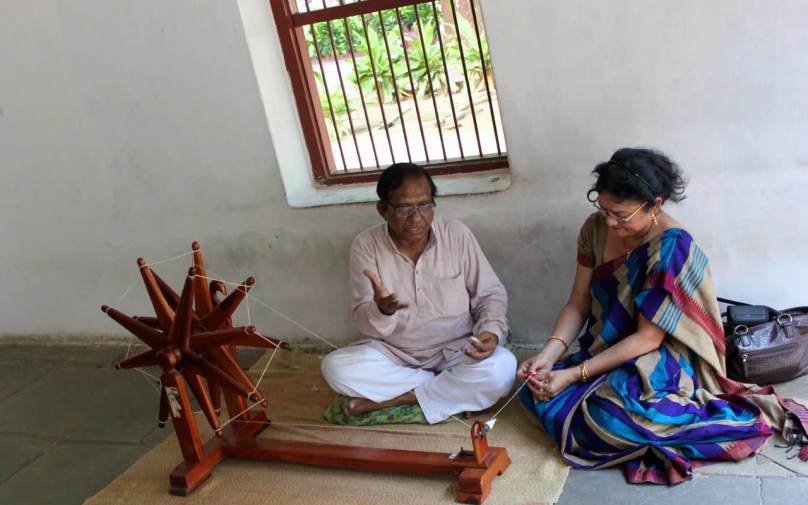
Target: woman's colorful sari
x=669, y=410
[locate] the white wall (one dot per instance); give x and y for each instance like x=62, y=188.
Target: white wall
x=133, y=128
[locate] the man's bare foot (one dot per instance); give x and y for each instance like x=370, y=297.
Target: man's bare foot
x=359, y=406
x=468, y=414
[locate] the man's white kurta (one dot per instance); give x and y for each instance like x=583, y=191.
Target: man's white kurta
x=452, y=293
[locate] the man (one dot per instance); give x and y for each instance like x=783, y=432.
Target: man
x=434, y=310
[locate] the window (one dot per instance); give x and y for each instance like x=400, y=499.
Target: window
x=384, y=81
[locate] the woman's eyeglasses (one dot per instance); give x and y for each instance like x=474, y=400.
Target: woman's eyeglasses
x=606, y=212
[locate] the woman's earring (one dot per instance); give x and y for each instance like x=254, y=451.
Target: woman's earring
x=655, y=220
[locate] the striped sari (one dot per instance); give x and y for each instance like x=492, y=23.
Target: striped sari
x=670, y=410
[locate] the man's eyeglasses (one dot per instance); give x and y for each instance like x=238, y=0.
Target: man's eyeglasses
x=605, y=212
x=407, y=210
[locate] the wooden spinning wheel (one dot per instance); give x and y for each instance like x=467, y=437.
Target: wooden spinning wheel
x=192, y=337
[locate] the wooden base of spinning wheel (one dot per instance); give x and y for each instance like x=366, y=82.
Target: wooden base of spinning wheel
x=476, y=469
x=192, y=338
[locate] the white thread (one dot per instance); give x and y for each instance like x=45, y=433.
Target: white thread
x=166, y=261
x=247, y=301
x=206, y=277
x=509, y=401
x=265, y=338
x=384, y=428
x=145, y=374
x=297, y=324
x=256, y=385
x=129, y=349
x=235, y=416
x=267, y=306
x=461, y=422
x=273, y=310
x=148, y=374
x=214, y=274
x=265, y=370
x=205, y=269
x=125, y=293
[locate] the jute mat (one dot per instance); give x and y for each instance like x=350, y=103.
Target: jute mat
x=297, y=396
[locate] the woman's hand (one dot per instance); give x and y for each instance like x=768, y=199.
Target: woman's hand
x=541, y=363
x=547, y=385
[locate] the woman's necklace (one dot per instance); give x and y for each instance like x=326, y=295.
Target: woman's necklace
x=644, y=237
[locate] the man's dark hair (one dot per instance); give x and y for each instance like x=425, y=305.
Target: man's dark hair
x=640, y=175
x=393, y=177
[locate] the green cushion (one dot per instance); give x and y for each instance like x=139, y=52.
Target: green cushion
x=405, y=414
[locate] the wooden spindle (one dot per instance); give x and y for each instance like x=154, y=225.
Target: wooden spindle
x=146, y=358
x=201, y=395
x=215, y=396
x=148, y=321
x=230, y=366
x=212, y=373
x=201, y=291
x=204, y=342
x=255, y=340
x=180, y=332
x=149, y=336
x=161, y=307
x=171, y=296
x=162, y=416
x=183, y=416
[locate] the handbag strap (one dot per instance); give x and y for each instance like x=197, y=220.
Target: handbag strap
x=733, y=302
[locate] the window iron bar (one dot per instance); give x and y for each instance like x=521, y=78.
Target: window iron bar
x=466, y=75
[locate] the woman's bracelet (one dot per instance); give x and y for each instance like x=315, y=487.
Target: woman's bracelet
x=584, y=374
x=566, y=345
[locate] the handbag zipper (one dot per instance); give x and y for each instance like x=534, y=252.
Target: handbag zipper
x=745, y=369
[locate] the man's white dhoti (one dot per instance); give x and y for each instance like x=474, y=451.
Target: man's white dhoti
x=462, y=384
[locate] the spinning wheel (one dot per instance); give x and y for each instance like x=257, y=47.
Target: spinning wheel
x=192, y=337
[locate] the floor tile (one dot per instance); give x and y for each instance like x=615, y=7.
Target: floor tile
x=784, y=491
x=19, y=451
x=610, y=487
x=69, y=474
x=76, y=402
x=14, y=376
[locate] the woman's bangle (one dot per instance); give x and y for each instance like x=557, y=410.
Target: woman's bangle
x=584, y=374
x=566, y=345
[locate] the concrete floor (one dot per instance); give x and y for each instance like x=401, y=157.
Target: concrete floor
x=70, y=423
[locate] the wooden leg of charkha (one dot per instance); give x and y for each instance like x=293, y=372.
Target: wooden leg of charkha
x=474, y=484
x=189, y=475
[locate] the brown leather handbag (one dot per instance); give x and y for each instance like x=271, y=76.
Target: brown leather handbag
x=765, y=346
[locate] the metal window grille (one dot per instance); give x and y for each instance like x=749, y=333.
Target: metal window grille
x=384, y=81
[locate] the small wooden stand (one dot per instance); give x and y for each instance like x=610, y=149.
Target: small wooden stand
x=189, y=344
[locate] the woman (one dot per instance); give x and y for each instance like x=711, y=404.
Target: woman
x=648, y=388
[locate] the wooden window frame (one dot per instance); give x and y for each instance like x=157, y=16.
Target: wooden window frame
x=313, y=121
